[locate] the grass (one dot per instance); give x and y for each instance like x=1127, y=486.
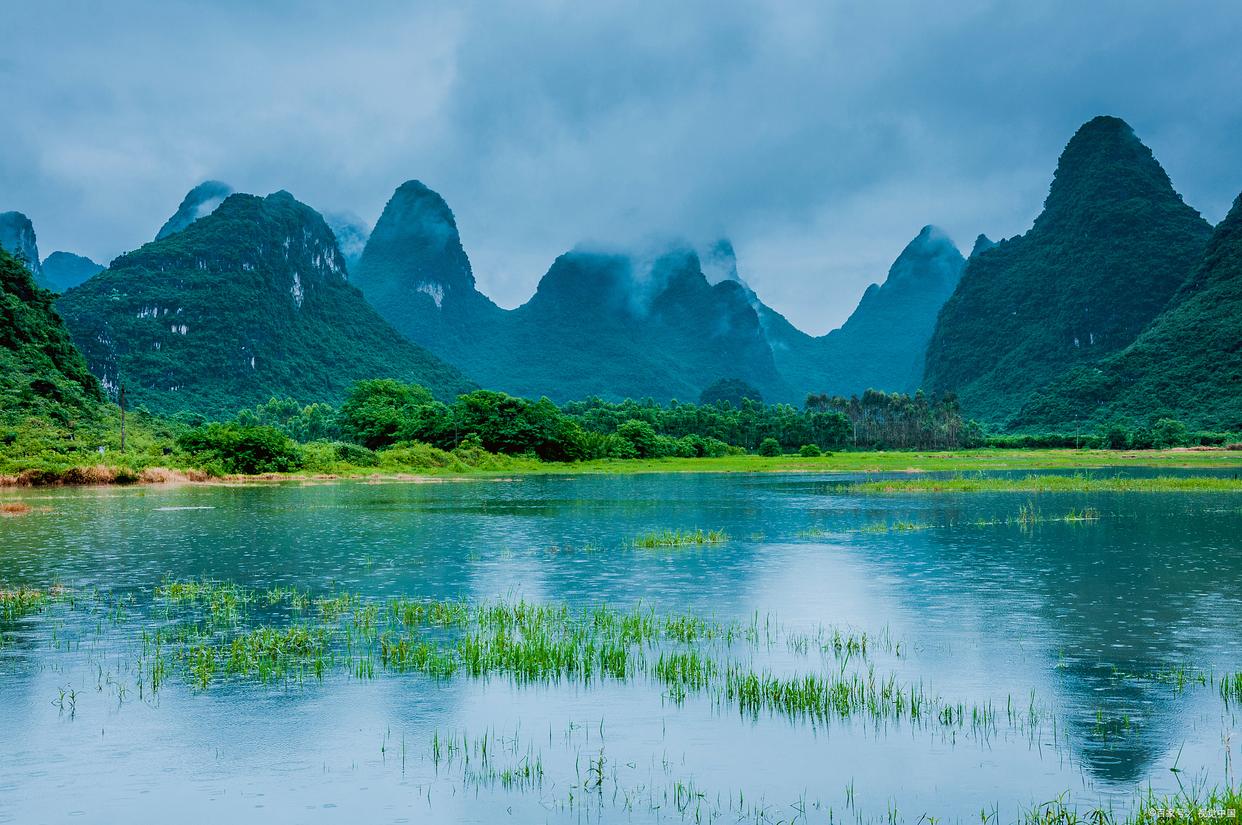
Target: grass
x=1219, y=806
x=15, y=604
x=1231, y=688
x=1077, y=483
x=207, y=633
x=146, y=467
x=680, y=538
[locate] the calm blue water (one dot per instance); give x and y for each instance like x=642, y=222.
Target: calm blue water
x=1052, y=614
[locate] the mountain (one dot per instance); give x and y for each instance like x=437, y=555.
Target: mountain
x=248, y=302
x=883, y=342
x=1187, y=365
x=199, y=202
x=619, y=325
x=1111, y=247
x=64, y=270
x=41, y=372
x=17, y=237
x=615, y=324
x=415, y=273
x=351, y=236
x=982, y=244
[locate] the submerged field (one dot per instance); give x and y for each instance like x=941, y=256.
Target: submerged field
x=651, y=648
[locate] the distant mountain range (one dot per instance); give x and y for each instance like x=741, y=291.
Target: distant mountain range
x=1119, y=301
x=623, y=324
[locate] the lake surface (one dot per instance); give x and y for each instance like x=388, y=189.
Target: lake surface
x=1097, y=643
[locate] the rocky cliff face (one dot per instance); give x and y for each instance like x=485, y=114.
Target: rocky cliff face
x=351, y=236
x=17, y=237
x=1112, y=246
x=246, y=303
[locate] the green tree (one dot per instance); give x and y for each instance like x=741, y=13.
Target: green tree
x=770, y=447
x=235, y=448
x=376, y=410
x=642, y=436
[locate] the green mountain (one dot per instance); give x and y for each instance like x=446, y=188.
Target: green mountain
x=616, y=326
x=611, y=324
x=883, y=343
x=198, y=203
x=415, y=273
x=41, y=372
x=63, y=271
x=17, y=237
x=245, y=303
x=1187, y=365
x=1111, y=247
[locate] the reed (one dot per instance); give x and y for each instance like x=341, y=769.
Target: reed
x=680, y=538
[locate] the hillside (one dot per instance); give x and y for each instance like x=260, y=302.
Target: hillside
x=41, y=373
x=247, y=302
x=1187, y=365
x=1111, y=247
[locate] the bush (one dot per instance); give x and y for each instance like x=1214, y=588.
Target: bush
x=769, y=447
x=355, y=455
x=233, y=448
x=810, y=451
x=1116, y=436
x=642, y=436
x=1169, y=432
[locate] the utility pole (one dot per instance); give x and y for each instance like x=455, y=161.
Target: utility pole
x=121, y=400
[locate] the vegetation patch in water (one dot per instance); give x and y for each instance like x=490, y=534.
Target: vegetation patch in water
x=680, y=538
x=1077, y=483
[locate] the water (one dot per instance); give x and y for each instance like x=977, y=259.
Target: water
x=1074, y=619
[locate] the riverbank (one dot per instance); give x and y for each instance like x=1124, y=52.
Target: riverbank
x=913, y=462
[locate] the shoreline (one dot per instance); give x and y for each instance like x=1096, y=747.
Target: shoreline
x=878, y=461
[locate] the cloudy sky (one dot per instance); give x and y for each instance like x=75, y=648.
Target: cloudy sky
x=818, y=136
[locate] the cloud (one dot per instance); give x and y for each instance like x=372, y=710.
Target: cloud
x=818, y=137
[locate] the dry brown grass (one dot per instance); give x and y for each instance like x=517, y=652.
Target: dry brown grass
x=15, y=508
x=166, y=475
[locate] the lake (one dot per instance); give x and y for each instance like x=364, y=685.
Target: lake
x=1079, y=639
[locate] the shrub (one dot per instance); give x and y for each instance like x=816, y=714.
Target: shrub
x=1169, y=432
x=769, y=447
x=233, y=448
x=354, y=454
x=809, y=451
x=642, y=436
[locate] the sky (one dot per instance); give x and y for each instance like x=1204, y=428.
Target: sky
x=818, y=136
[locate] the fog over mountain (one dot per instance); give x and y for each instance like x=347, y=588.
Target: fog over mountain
x=786, y=129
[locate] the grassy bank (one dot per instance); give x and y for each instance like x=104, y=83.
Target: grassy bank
x=420, y=460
